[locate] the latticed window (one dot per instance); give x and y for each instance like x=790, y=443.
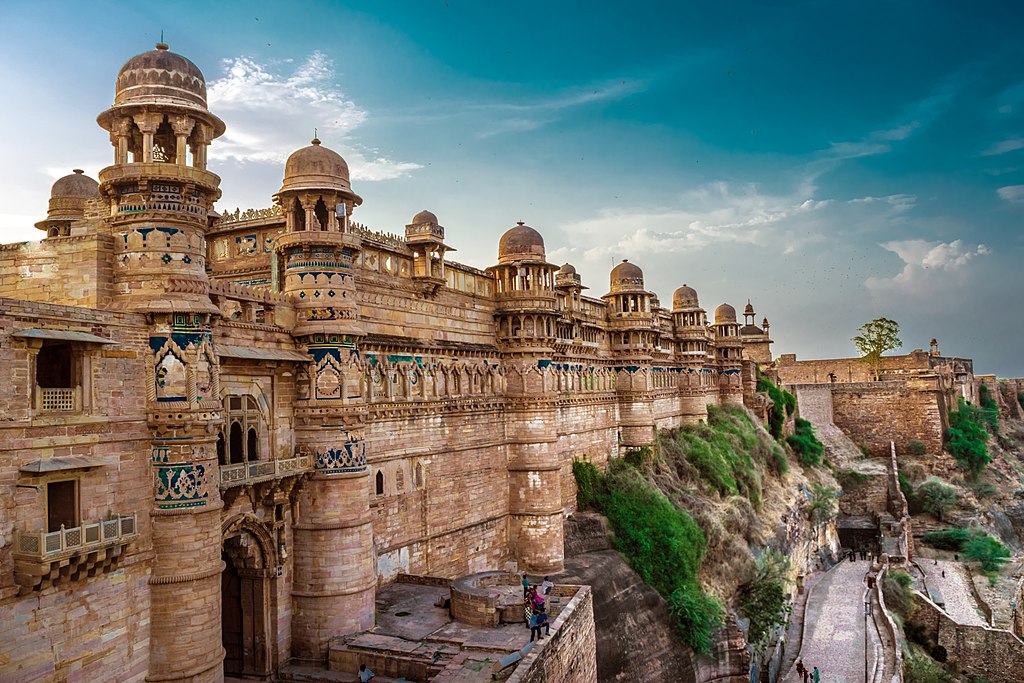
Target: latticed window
x=244, y=431
x=57, y=370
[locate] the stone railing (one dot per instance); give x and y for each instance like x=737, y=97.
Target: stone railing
x=263, y=470
x=48, y=546
x=249, y=215
x=890, y=627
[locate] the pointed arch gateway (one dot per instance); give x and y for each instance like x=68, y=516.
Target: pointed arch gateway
x=250, y=570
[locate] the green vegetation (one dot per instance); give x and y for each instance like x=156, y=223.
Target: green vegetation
x=898, y=590
x=660, y=542
x=950, y=539
x=916, y=447
x=723, y=452
x=764, y=599
x=783, y=404
x=975, y=544
x=805, y=443
x=988, y=552
x=849, y=479
x=823, y=505
x=935, y=497
x=967, y=436
x=983, y=489
x=875, y=338
x=920, y=668
x=1020, y=398
x=588, y=484
x=989, y=409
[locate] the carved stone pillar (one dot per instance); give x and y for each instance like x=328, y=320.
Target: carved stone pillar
x=148, y=124
x=182, y=126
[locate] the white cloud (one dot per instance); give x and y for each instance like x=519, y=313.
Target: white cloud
x=269, y=115
x=1012, y=193
x=1004, y=146
x=926, y=264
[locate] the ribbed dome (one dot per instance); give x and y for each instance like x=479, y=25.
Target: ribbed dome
x=316, y=168
x=161, y=76
x=725, y=314
x=626, y=277
x=75, y=185
x=521, y=242
x=684, y=296
x=424, y=218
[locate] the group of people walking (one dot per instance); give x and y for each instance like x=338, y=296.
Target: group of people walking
x=807, y=675
x=535, y=609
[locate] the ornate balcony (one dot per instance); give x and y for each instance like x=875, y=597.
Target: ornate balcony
x=263, y=470
x=43, y=559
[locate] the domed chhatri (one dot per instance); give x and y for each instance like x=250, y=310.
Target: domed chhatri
x=75, y=185
x=521, y=243
x=424, y=218
x=725, y=314
x=161, y=76
x=626, y=277
x=685, y=297
x=67, y=203
x=317, y=168
x=567, y=269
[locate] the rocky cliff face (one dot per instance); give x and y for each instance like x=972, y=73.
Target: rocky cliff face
x=635, y=637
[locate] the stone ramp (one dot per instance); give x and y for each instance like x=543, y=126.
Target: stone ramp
x=955, y=590
x=834, y=629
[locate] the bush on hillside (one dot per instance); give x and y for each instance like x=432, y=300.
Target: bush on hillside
x=936, y=498
x=967, y=436
x=805, y=443
x=1020, y=398
x=908, y=492
x=987, y=551
x=588, y=484
x=916, y=447
x=783, y=404
x=823, y=504
x=898, y=590
x=764, y=599
x=950, y=539
x=920, y=668
x=659, y=541
x=989, y=409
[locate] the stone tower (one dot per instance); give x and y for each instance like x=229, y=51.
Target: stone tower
x=334, y=581
x=67, y=203
x=633, y=327
x=525, y=318
x=728, y=355
x=692, y=337
x=426, y=239
x=159, y=193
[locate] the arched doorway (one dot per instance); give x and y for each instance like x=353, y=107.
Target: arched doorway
x=245, y=614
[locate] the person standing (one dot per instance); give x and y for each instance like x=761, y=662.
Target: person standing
x=364, y=674
x=547, y=585
x=800, y=669
x=526, y=585
x=817, y=676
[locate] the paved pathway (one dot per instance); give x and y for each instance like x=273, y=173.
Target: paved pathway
x=956, y=590
x=834, y=636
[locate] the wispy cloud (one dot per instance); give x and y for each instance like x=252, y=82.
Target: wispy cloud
x=271, y=114
x=1012, y=193
x=1004, y=146
x=926, y=264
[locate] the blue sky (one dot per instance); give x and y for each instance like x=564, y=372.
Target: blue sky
x=833, y=162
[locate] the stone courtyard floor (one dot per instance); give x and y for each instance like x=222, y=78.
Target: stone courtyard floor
x=835, y=630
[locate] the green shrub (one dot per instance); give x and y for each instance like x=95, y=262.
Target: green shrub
x=983, y=489
x=588, y=484
x=1020, y=398
x=722, y=451
x=849, y=479
x=898, y=590
x=823, y=504
x=764, y=599
x=936, y=498
x=916, y=447
x=783, y=404
x=638, y=457
x=664, y=546
x=805, y=443
x=920, y=668
x=967, y=436
x=989, y=408
x=987, y=551
x=950, y=539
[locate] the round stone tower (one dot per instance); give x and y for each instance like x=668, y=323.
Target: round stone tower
x=159, y=193
x=633, y=329
x=729, y=355
x=526, y=318
x=692, y=339
x=334, y=581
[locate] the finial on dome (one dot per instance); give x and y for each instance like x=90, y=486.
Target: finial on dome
x=162, y=45
x=315, y=141
x=520, y=223
x=625, y=260
x=78, y=171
